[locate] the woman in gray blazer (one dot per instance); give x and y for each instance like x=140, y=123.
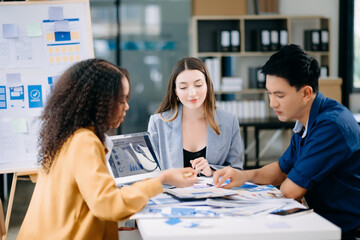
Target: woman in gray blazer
x=187, y=130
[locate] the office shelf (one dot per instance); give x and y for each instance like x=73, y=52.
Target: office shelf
x=206, y=44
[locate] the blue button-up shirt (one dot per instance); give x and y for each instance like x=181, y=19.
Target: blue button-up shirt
x=325, y=159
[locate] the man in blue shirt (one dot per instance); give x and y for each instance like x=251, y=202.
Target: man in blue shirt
x=322, y=162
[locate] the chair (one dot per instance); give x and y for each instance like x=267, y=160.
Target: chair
x=2, y=221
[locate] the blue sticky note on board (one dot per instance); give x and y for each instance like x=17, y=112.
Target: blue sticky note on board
x=62, y=26
x=35, y=96
x=17, y=93
x=56, y=13
x=62, y=36
x=33, y=29
x=10, y=30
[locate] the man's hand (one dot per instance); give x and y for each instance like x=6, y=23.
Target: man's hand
x=237, y=177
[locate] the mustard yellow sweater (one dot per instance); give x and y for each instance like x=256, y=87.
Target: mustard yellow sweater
x=78, y=198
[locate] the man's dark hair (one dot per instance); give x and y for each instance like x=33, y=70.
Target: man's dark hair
x=294, y=65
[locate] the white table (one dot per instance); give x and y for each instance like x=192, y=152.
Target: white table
x=307, y=226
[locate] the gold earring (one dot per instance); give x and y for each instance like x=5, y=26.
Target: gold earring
x=177, y=98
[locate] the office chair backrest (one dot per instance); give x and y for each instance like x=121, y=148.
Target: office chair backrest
x=2, y=221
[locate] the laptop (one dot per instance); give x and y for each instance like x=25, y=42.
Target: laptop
x=131, y=158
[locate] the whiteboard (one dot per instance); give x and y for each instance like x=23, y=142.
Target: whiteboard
x=38, y=41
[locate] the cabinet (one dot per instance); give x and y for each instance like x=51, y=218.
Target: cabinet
x=239, y=65
x=331, y=87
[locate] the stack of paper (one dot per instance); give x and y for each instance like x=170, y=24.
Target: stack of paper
x=249, y=200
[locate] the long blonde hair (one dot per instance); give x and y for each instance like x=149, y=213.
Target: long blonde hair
x=170, y=101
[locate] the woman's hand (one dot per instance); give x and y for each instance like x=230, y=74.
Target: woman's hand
x=178, y=177
x=201, y=165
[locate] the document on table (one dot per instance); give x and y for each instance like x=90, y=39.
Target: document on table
x=176, y=212
x=199, y=192
x=164, y=199
x=251, y=191
x=249, y=200
x=253, y=208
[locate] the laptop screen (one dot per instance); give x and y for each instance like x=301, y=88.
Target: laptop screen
x=131, y=158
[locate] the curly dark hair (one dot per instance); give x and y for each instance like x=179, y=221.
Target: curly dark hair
x=295, y=65
x=85, y=95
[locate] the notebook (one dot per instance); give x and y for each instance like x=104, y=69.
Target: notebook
x=131, y=158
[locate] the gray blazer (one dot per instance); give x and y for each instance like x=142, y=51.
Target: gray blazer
x=222, y=150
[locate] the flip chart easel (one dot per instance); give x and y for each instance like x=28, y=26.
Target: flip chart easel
x=39, y=40
x=17, y=176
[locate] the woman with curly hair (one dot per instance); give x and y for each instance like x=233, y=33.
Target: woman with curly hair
x=75, y=196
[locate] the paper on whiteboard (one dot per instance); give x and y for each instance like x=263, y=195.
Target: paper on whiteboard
x=16, y=147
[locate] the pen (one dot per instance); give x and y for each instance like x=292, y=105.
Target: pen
x=197, y=172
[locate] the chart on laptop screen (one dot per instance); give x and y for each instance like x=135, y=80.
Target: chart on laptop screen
x=132, y=155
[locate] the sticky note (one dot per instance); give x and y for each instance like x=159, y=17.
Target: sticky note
x=56, y=13
x=33, y=29
x=78, y=58
x=71, y=58
x=63, y=49
x=77, y=48
x=51, y=50
x=3, y=97
x=74, y=35
x=35, y=96
x=57, y=49
x=71, y=48
x=62, y=26
x=64, y=58
x=50, y=37
x=62, y=36
x=13, y=79
x=58, y=59
x=192, y=225
x=18, y=125
x=183, y=211
x=51, y=59
x=10, y=31
x=173, y=221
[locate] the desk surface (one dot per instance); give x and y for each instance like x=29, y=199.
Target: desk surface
x=307, y=226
